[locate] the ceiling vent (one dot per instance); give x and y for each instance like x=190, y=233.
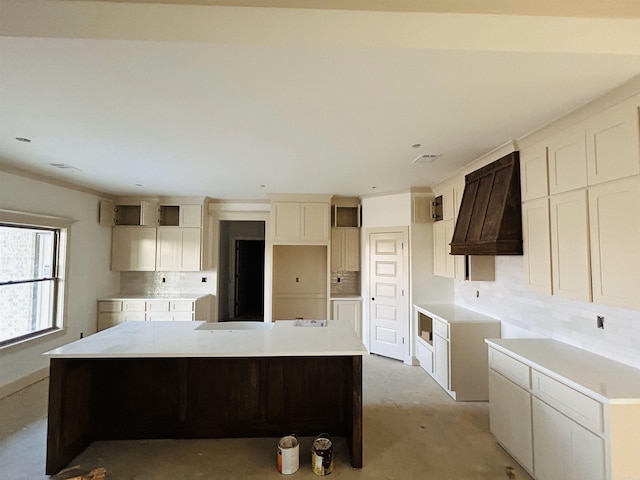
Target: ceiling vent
x=64, y=166
x=427, y=158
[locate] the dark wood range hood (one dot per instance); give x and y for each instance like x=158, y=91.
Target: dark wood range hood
x=490, y=217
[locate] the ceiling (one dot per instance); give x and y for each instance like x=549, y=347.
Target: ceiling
x=243, y=102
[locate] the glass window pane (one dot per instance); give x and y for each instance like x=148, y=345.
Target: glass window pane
x=26, y=308
x=26, y=253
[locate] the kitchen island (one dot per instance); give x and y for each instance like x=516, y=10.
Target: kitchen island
x=150, y=380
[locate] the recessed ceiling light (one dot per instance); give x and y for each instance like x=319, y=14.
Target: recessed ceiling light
x=416, y=145
x=426, y=158
x=373, y=188
x=23, y=139
x=138, y=184
x=263, y=186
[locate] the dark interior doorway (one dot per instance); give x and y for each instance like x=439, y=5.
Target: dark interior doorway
x=249, y=280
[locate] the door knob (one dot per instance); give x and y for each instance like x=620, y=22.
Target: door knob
x=372, y=298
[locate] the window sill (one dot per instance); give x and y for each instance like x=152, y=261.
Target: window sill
x=33, y=340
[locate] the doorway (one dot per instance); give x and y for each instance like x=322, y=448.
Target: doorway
x=241, y=280
x=249, y=280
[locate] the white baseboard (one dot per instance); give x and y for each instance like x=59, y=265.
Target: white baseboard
x=17, y=385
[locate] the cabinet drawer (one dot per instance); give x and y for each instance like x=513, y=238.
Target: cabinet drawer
x=159, y=317
x=182, y=317
x=110, y=306
x=133, y=306
x=134, y=317
x=516, y=371
x=441, y=328
x=157, y=306
x=182, y=306
x=584, y=410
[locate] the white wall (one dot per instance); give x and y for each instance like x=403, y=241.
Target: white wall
x=88, y=274
x=533, y=314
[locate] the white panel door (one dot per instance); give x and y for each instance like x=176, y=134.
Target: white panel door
x=387, y=309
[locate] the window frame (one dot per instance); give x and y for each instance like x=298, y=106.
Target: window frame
x=62, y=227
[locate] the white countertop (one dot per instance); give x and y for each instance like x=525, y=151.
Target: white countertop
x=153, y=296
x=345, y=296
x=181, y=339
x=454, y=314
x=597, y=376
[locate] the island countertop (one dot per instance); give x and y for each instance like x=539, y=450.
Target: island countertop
x=184, y=339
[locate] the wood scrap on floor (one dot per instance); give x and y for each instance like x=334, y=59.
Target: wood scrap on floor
x=76, y=473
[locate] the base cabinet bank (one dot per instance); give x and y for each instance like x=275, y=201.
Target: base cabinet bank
x=564, y=413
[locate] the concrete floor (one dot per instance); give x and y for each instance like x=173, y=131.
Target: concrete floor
x=412, y=430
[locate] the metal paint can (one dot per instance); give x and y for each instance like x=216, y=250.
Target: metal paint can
x=322, y=455
x=288, y=455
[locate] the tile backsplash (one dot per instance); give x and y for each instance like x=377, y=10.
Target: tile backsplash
x=349, y=283
x=144, y=283
x=569, y=321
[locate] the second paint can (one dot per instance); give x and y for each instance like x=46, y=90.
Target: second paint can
x=322, y=455
x=288, y=455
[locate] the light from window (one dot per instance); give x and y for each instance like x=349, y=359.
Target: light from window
x=28, y=281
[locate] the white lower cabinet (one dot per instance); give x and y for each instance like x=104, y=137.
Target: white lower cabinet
x=114, y=312
x=563, y=449
x=348, y=310
x=441, y=361
x=564, y=413
x=510, y=414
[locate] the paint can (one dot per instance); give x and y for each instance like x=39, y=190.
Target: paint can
x=322, y=455
x=288, y=455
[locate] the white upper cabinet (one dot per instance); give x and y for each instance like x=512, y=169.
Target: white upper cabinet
x=537, y=245
x=567, y=160
x=614, y=212
x=142, y=212
x=443, y=262
x=345, y=249
x=190, y=215
x=133, y=249
x=178, y=249
x=534, y=180
x=570, y=246
x=300, y=222
x=613, y=147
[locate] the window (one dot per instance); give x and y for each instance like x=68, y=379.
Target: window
x=31, y=274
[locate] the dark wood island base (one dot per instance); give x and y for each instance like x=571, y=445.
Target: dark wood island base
x=192, y=397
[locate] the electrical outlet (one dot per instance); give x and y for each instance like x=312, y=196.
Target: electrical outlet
x=600, y=322
x=204, y=279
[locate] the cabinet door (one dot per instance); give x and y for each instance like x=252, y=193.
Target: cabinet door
x=351, y=249
x=285, y=221
x=149, y=213
x=109, y=319
x=169, y=247
x=510, y=418
x=349, y=311
x=441, y=361
x=190, y=216
x=563, y=449
x=337, y=249
x=443, y=262
x=537, y=245
x=314, y=222
x=614, y=213
x=190, y=249
x=571, y=271
x=133, y=249
x=568, y=160
x=534, y=180
x=613, y=148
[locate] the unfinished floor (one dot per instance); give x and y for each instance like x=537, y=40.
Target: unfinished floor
x=412, y=430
